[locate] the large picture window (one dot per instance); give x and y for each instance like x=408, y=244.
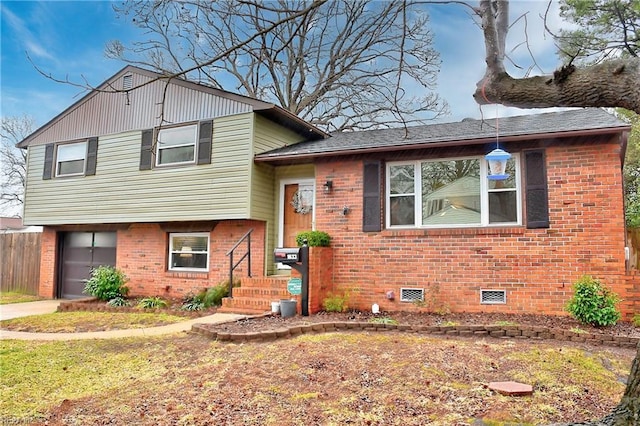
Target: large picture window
x=451, y=193
x=189, y=251
x=176, y=145
x=70, y=159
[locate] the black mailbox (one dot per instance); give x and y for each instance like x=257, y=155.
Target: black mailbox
x=287, y=255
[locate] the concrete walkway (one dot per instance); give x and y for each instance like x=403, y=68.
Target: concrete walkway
x=16, y=310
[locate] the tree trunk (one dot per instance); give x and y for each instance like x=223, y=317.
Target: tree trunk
x=609, y=84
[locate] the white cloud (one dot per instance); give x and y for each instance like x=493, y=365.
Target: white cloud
x=24, y=34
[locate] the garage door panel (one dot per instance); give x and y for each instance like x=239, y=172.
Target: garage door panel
x=81, y=253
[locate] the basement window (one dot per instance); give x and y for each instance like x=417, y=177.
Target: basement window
x=189, y=251
x=493, y=297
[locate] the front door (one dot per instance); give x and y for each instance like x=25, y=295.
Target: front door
x=81, y=253
x=297, y=211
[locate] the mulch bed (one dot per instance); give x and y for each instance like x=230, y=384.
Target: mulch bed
x=95, y=305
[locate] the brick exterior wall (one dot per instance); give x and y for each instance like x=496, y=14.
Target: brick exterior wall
x=142, y=254
x=536, y=267
x=48, y=262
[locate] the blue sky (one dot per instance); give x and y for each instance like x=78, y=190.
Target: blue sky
x=67, y=38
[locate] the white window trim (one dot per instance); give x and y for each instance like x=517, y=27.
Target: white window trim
x=56, y=161
x=189, y=234
x=484, y=194
x=194, y=144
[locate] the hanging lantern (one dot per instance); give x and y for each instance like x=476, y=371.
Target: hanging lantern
x=497, y=160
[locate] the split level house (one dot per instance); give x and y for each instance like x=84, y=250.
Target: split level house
x=168, y=181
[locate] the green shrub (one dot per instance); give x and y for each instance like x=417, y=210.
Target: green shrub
x=106, y=283
x=593, y=303
x=336, y=303
x=208, y=297
x=118, y=302
x=213, y=296
x=192, y=302
x=152, y=303
x=636, y=320
x=314, y=238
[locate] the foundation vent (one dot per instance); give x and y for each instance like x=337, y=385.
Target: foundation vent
x=412, y=295
x=493, y=297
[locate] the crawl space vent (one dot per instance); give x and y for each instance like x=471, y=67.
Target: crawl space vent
x=412, y=295
x=492, y=297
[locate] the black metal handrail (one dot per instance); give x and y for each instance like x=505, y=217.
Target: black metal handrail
x=247, y=255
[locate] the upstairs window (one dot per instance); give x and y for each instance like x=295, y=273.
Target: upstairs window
x=451, y=193
x=189, y=251
x=70, y=159
x=176, y=145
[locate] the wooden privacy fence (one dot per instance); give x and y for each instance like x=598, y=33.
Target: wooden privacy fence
x=633, y=241
x=20, y=262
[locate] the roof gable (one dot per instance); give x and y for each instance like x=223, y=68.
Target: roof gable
x=156, y=100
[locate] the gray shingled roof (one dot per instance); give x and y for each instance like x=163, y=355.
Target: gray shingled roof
x=462, y=132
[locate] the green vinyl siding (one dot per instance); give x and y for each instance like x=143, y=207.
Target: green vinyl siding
x=264, y=191
x=120, y=192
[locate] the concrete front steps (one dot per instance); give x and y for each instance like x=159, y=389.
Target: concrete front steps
x=254, y=296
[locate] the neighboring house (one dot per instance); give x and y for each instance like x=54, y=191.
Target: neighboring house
x=414, y=221
x=14, y=225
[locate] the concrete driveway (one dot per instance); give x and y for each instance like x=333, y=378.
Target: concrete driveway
x=16, y=310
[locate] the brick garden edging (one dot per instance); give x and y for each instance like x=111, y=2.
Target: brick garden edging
x=497, y=331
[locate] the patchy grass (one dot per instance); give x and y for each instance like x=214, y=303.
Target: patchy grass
x=71, y=322
x=330, y=379
x=7, y=297
x=505, y=323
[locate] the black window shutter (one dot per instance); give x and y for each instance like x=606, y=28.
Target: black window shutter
x=371, y=221
x=92, y=156
x=536, y=189
x=146, y=150
x=204, y=142
x=48, y=162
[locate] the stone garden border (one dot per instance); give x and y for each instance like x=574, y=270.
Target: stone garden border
x=496, y=331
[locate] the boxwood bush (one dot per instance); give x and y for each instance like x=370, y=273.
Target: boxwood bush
x=593, y=303
x=106, y=283
x=314, y=238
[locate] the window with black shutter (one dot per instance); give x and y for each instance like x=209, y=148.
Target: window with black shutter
x=204, y=142
x=537, y=197
x=47, y=172
x=371, y=211
x=146, y=150
x=92, y=157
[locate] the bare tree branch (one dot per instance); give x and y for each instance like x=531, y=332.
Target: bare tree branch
x=341, y=65
x=612, y=83
x=13, y=169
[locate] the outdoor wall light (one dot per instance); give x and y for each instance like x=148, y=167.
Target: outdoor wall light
x=345, y=210
x=497, y=160
x=328, y=186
